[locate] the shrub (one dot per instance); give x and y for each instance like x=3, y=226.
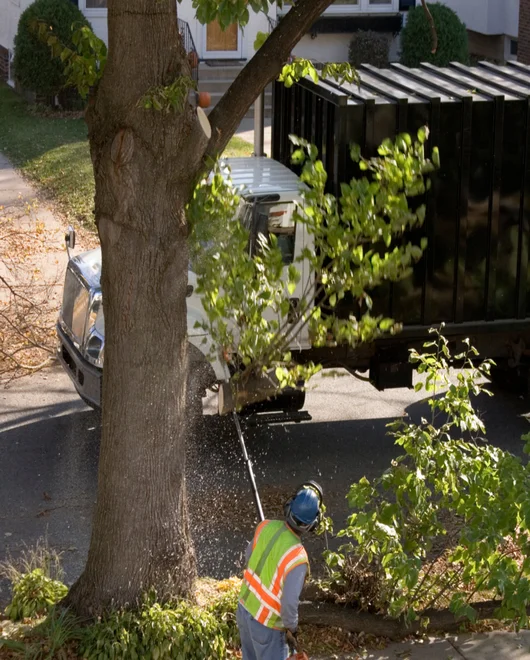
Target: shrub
x=35, y=69
x=368, y=47
x=416, y=37
x=223, y=608
x=448, y=523
x=34, y=594
x=178, y=630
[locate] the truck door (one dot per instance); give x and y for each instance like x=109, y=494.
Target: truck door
x=277, y=218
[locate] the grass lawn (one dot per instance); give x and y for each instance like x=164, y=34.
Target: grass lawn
x=53, y=153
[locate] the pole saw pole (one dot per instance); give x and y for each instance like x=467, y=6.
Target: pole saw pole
x=249, y=466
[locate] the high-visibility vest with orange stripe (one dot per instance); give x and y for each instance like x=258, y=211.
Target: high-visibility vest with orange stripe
x=261, y=591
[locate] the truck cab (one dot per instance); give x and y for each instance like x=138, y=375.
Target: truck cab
x=269, y=192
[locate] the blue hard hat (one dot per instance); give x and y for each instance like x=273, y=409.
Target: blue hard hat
x=303, y=510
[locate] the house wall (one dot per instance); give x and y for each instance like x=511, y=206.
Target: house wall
x=335, y=47
x=523, y=53
x=488, y=16
x=185, y=11
x=257, y=23
x=490, y=47
x=4, y=63
x=10, y=11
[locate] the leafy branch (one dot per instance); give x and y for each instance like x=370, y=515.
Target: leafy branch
x=299, y=68
x=256, y=308
x=447, y=471
x=85, y=65
x=168, y=98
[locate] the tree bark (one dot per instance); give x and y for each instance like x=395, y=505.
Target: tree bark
x=146, y=164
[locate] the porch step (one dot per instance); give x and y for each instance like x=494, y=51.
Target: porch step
x=217, y=79
x=215, y=72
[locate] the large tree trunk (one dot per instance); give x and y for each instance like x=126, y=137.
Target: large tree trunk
x=145, y=164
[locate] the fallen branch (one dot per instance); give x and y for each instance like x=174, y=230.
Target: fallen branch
x=346, y=617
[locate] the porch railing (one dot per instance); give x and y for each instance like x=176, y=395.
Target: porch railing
x=189, y=47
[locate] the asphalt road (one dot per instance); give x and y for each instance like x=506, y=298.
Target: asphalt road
x=49, y=443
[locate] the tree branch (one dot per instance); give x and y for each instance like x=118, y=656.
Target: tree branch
x=266, y=65
x=434, y=34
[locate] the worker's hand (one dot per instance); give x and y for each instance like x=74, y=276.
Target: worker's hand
x=292, y=639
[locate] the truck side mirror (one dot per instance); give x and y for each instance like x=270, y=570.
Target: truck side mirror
x=69, y=239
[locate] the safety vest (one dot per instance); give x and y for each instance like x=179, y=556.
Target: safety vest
x=276, y=550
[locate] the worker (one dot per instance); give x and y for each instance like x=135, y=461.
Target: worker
x=276, y=569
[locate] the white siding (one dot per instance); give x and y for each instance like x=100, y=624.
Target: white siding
x=185, y=11
x=488, y=17
x=324, y=47
x=10, y=11
x=335, y=48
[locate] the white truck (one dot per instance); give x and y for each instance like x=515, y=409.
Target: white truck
x=269, y=193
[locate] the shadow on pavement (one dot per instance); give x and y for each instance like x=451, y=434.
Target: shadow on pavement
x=48, y=475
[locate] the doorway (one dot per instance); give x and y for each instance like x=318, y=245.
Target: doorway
x=222, y=44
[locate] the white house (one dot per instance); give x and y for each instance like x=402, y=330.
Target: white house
x=327, y=40
x=492, y=26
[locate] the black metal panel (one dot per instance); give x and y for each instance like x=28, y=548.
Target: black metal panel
x=477, y=267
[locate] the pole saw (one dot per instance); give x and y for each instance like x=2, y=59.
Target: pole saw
x=294, y=646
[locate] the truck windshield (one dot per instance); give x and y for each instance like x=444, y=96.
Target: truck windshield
x=277, y=220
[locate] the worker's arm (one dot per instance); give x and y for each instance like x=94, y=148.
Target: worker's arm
x=292, y=588
x=248, y=552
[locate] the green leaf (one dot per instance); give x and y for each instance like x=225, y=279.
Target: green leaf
x=261, y=38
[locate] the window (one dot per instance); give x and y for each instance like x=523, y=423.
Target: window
x=96, y=4
x=274, y=220
x=514, y=47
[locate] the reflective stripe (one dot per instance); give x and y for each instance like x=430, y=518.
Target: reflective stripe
x=292, y=555
x=257, y=533
x=268, y=618
x=257, y=579
x=263, y=615
x=263, y=595
x=276, y=550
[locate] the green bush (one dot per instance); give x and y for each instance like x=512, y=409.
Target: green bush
x=171, y=631
x=416, y=37
x=448, y=523
x=224, y=611
x=34, y=67
x=368, y=47
x=34, y=594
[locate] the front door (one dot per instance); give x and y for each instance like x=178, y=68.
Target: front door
x=222, y=44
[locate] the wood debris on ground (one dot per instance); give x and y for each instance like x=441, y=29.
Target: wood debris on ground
x=32, y=264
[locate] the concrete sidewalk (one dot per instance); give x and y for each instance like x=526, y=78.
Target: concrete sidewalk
x=473, y=646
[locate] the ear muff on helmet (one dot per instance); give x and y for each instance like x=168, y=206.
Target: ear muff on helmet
x=318, y=490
